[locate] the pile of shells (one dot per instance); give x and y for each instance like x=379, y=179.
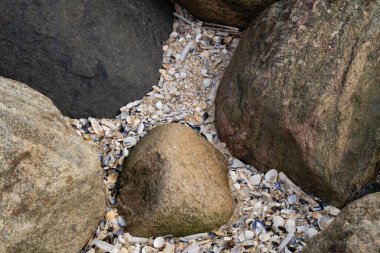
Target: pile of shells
x=272, y=214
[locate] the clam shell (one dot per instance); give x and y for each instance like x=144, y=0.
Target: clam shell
x=264, y=237
x=271, y=176
x=249, y=235
x=254, y=179
x=324, y=222
x=278, y=221
x=159, y=242
x=290, y=226
x=148, y=249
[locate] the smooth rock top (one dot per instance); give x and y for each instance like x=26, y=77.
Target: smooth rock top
x=174, y=182
x=89, y=57
x=52, y=196
x=236, y=13
x=355, y=230
x=302, y=95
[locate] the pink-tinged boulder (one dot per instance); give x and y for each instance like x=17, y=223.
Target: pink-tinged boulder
x=302, y=95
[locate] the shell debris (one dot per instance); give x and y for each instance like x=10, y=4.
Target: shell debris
x=272, y=214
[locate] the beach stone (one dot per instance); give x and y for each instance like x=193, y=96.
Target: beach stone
x=174, y=182
x=355, y=230
x=237, y=13
x=302, y=95
x=86, y=56
x=52, y=196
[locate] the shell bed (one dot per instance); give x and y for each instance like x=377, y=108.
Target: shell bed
x=272, y=214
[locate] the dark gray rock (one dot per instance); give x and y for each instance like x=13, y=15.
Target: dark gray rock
x=89, y=57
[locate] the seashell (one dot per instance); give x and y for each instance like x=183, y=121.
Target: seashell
x=148, y=249
x=111, y=215
x=141, y=128
x=111, y=199
x=258, y=227
x=121, y=239
x=102, y=234
x=130, y=141
x=159, y=242
x=234, y=175
x=333, y=210
x=292, y=199
x=254, y=179
x=264, y=237
x=192, y=248
x=278, y=221
x=249, y=235
x=288, y=213
x=112, y=178
x=324, y=222
x=271, y=176
x=206, y=83
x=316, y=215
x=290, y=226
x=158, y=105
x=311, y=232
x=242, y=237
x=169, y=248
x=121, y=221
x=237, y=164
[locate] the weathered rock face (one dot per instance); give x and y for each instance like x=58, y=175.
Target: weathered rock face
x=174, y=182
x=231, y=12
x=302, y=95
x=51, y=190
x=89, y=57
x=355, y=230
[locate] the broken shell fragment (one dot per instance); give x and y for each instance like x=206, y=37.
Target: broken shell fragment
x=324, y=222
x=264, y=237
x=254, y=179
x=290, y=226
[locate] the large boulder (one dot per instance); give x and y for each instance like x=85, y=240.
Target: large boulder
x=302, y=95
x=174, y=182
x=52, y=196
x=355, y=230
x=230, y=12
x=89, y=57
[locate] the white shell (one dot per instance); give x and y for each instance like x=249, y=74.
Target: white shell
x=264, y=237
x=311, y=232
x=290, y=226
x=159, y=242
x=278, y=221
x=249, y=235
x=324, y=222
x=148, y=249
x=254, y=179
x=271, y=176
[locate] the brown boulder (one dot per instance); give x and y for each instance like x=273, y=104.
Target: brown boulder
x=231, y=12
x=51, y=190
x=355, y=230
x=174, y=182
x=302, y=94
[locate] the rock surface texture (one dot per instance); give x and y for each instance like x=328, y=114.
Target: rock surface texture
x=355, y=230
x=51, y=190
x=231, y=12
x=89, y=57
x=302, y=94
x=174, y=182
